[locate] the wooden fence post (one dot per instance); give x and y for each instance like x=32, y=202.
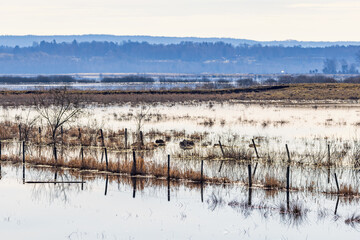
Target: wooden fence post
x=337, y=183
x=62, y=135
x=102, y=138
x=249, y=173
x=106, y=160
x=39, y=135
x=141, y=139
x=20, y=137
x=126, y=138
x=222, y=150
x=82, y=157
x=23, y=146
x=55, y=153
x=202, y=170
x=288, y=153
x=133, y=170
x=257, y=154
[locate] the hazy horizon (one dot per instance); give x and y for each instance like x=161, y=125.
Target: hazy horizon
x=175, y=36
x=260, y=20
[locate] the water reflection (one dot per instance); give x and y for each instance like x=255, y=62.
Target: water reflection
x=243, y=199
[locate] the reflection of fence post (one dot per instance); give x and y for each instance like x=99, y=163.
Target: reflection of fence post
x=288, y=187
x=168, y=170
x=329, y=160
x=106, y=183
x=133, y=170
x=336, y=206
x=0, y=150
x=288, y=178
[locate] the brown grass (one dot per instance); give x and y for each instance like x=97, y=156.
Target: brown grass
x=326, y=91
x=271, y=183
x=347, y=190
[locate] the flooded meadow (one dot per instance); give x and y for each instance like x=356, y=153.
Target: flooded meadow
x=191, y=170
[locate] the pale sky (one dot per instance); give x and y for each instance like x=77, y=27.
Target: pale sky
x=318, y=20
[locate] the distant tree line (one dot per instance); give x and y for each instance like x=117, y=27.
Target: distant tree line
x=186, y=51
x=203, y=81
x=184, y=57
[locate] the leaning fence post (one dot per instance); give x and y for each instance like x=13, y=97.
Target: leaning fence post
x=102, y=138
x=222, y=150
x=106, y=160
x=257, y=155
x=337, y=183
x=168, y=170
x=288, y=153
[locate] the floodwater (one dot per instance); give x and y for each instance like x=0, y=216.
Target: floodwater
x=120, y=207
x=159, y=211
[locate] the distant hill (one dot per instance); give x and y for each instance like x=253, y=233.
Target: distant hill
x=28, y=40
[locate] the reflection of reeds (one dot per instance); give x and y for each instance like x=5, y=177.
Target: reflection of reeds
x=294, y=214
x=353, y=220
x=142, y=167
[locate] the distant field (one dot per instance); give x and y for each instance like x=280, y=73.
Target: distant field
x=307, y=92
